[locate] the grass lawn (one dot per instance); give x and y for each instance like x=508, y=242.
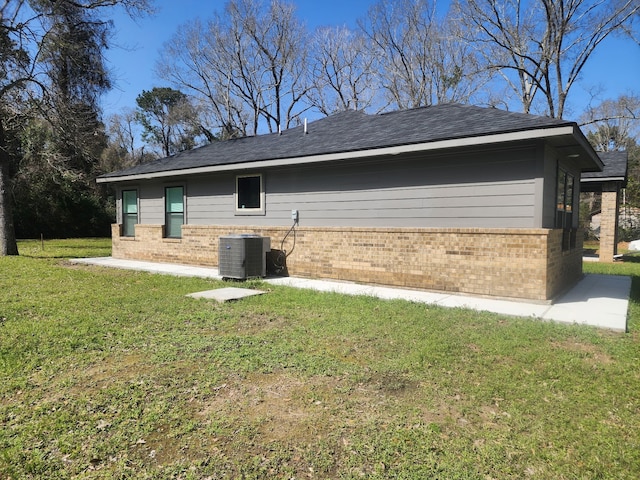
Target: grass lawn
x=108, y=373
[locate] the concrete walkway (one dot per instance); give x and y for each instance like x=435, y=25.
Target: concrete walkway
x=597, y=300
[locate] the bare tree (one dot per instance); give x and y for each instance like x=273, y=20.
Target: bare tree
x=611, y=123
x=123, y=150
x=401, y=34
x=420, y=59
x=541, y=46
x=248, y=63
x=198, y=60
x=342, y=71
x=276, y=38
x=121, y=130
x=459, y=73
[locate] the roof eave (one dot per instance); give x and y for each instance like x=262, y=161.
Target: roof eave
x=588, y=148
x=520, y=135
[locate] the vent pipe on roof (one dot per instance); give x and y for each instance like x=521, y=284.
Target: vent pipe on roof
x=305, y=126
x=279, y=129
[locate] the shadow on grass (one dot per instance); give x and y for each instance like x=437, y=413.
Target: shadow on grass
x=79, y=253
x=630, y=258
x=65, y=249
x=60, y=257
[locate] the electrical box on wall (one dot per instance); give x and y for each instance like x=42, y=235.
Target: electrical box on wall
x=294, y=215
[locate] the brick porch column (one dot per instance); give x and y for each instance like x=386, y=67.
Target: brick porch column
x=609, y=222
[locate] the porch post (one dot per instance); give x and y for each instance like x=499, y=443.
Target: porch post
x=609, y=222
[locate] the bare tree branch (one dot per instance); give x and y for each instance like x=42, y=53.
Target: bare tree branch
x=546, y=43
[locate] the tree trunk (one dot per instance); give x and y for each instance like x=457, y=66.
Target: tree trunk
x=8, y=245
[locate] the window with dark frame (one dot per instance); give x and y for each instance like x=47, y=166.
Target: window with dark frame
x=565, y=208
x=249, y=193
x=129, y=212
x=174, y=211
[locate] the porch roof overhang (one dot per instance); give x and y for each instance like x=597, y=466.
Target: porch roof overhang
x=615, y=171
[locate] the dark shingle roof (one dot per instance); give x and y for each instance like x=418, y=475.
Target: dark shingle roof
x=615, y=168
x=352, y=131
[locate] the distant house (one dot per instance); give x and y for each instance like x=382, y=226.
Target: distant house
x=449, y=197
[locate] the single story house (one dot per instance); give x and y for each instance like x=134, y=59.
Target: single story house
x=450, y=197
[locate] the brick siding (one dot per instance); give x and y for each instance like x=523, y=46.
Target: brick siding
x=609, y=222
x=517, y=263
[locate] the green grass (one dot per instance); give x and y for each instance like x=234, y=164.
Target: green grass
x=116, y=374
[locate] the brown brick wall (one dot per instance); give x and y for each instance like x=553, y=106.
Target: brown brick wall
x=522, y=263
x=564, y=268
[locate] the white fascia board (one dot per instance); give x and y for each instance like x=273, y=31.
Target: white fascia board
x=357, y=154
x=602, y=179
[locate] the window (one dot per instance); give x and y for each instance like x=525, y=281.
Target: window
x=564, y=208
x=249, y=195
x=129, y=212
x=174, y=211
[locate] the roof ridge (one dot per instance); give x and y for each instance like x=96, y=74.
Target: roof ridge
x=442, y=106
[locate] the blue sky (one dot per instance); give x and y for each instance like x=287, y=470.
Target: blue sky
x=614, y=69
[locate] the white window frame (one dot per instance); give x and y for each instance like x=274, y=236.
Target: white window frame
x=250, y=211
x=184, y=208
x=123, y=214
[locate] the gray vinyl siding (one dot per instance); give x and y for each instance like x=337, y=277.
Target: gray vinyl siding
x=439, y=206
x=491, y=189
x=152, y=203
x=211, y=201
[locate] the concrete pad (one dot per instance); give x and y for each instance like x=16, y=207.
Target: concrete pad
x=597, y=300
x=505, y=307
x=152, y=267
x=226, y=294
x=348, y=288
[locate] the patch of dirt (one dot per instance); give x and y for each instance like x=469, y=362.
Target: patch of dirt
x=591, y=353
x=255, y=415
x=261, y=322
x=281, y=406
x=117, y=368
x=285, y=408
x=392, y=383
x=161, y=447
x=111, y=369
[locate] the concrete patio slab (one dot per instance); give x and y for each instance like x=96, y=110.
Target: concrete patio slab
x=152, y=267
x=597, y=300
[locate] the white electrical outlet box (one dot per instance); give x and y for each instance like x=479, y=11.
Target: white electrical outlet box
x=294, y=215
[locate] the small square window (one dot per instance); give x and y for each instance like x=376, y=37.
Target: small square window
x=249, y=195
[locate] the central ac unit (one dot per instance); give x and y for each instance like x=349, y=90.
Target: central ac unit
x=243, y=256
